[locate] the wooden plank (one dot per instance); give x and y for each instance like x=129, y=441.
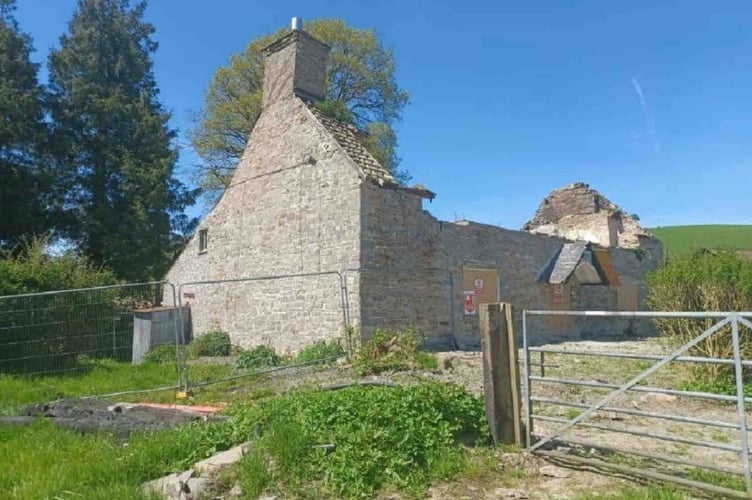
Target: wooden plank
x=501, y=382
x=603, y=261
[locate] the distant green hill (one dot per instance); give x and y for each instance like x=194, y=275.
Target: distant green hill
x=682, y=239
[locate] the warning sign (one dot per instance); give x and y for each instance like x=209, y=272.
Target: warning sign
x=468, y=303
x=478, y=286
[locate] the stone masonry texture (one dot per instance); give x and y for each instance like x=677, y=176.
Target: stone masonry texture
x=300, y=203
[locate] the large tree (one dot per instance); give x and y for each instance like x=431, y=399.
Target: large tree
x=24, y=184
x=117, y=150
x=361, y=83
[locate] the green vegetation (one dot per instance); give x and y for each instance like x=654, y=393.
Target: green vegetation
x=100, y=377
x=258, y=358
x=29, y=269
x=402, y=437
x=124, y=205
x=161, y=354
x=25, y=178
x=680, y=240
x=361, y=89
x=212, y=343
x=703, y=282
x=392, y=350
x=319, y=351
x=651, y=492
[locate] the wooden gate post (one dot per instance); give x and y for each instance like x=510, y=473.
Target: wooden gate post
x=501, y=380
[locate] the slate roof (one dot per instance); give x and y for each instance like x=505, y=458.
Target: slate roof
x=347, y=136
x=566, y=263
x=561, y=267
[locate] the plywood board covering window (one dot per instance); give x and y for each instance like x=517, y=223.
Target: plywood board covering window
x=603, y=261
x=483, y=282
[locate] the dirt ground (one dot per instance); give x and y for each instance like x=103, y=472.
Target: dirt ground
x=521, y=475
x=500, y=474
x=90, y=416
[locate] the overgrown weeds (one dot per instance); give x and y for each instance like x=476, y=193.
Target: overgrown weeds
x=402, y=437
x=392, y=350
x=258, y=358
x=703, y=281
x=161, y=354
x=213, y=343
x=353, y=442
x=320, y=352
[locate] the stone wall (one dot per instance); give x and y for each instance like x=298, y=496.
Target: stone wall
x=292, y=208
x=416, y=266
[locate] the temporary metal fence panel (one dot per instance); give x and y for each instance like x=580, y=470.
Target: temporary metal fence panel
x=284, y=312
x=610, y=398
x=70, y=332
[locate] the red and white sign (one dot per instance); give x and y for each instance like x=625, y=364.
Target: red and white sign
x=478, y=286
x=468, y=303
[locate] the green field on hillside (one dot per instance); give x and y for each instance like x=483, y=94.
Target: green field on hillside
x=682, y=239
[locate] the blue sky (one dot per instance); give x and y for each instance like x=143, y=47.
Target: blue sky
x=650, y=102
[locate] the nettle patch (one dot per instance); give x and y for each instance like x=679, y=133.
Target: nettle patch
x=355, y=441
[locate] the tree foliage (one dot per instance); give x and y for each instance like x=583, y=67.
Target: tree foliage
x=116, y=149
x=32, y=269
x=703, y=281
x=360, y=79
x=24, y=183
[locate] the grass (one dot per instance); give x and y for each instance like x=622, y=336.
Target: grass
x=385, y=437
x=651, y=492
x=679, y=240
x=401, y=438
x=102, y=377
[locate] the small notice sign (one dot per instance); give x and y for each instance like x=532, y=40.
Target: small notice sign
x=468, y=303
x=478, y=286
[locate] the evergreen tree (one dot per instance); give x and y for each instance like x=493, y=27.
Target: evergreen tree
x=117, y=149
x=24, y=187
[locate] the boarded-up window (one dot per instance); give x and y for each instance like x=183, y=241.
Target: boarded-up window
x=628, y=297
x=484, y=283
x=603, y=261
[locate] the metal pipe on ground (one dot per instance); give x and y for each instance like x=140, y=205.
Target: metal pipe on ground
x=642, y=473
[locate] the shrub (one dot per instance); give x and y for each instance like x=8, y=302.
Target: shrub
x=32, y=269
x=392, y=350
x=45, y=333
x=703, y=281
x=320, y=352
x=212, y=343
x=161, y=354
x=259, y=357
x=403, y=437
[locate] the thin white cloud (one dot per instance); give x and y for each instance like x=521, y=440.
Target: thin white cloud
x=649, y=124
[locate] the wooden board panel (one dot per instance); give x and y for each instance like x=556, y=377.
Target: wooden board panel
x=603, y=261
x=488, y=279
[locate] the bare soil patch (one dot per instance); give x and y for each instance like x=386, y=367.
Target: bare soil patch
x=96, y=415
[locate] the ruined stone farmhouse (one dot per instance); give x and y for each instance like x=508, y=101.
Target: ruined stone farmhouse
x=308, y=201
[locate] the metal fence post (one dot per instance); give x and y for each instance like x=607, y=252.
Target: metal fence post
x=528, y=401
x=743, y=434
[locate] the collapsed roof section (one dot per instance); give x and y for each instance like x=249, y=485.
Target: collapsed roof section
x=588, y=265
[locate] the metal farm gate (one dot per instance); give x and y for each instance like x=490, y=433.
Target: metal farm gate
x=649, y=423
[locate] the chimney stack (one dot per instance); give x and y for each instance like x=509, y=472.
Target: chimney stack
x=295, y=65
